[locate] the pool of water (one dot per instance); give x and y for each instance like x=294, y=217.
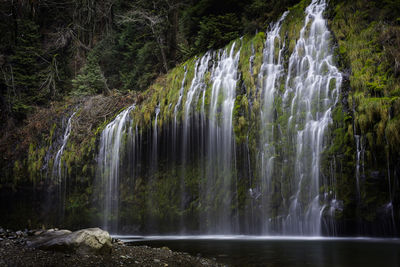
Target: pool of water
x=281, y=251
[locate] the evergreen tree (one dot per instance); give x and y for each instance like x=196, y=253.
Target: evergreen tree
x=90, y=80
x=25, y=68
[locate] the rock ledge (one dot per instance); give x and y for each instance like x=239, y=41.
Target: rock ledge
x=90, y=240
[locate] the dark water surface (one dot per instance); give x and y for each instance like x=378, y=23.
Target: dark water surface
x=275, y=251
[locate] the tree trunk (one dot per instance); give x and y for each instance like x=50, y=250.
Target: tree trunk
x=162, y=51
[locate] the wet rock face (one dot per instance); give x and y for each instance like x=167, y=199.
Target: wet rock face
x=85, y=241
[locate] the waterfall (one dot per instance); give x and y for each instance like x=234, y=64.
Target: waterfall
x=178, y=104
x=285, y=194
x=359, y=163
x=155, y=140
x=270, y=74
x=176, y=110
x=197, y=86
x=220, y=185
x=389, y=206
x=193, y=122
x=109, y=161
x=312, y=89
x=57, y=168
x=57, y=173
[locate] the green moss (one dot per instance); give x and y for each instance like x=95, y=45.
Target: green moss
x=18, y=171
x=251, y=47
x=392, y=133
x=52, y=130
x=34, y=163
x=291, y=26
x=372, y=94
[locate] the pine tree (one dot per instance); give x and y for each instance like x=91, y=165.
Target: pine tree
x=90, y=80
x=26, y=68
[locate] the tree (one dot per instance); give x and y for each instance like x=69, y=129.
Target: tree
x=90, y=80
x=155, y=22
x=25, y=68
x=217, y=31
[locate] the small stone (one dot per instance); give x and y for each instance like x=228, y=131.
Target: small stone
x=156, y=260
x=37, y=232
x=136, y=262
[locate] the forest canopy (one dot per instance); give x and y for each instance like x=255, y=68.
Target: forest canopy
x=50, y=49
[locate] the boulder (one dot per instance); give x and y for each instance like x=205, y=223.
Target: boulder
x=91, y=240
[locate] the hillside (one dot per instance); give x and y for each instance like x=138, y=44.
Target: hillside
x=265, y=118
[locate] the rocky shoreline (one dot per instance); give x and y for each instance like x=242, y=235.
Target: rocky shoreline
x=15, y=250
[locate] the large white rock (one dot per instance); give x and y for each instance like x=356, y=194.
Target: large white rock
x=91, y=240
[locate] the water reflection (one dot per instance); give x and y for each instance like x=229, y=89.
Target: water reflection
x=282, y=251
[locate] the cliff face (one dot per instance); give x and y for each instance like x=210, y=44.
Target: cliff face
x=290, y=131
x=366, y=45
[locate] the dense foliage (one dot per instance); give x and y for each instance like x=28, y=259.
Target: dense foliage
x=53, y=48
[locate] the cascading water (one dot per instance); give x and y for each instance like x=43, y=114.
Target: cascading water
x=57, y=171
x=155, y=140
x=193, y=122
x=220, y=185
x=270, y=74
x=288, y=194
x=178, y=104
x=359, y=163
x=389, y=206
x=57, y=168
x=197, y=86
x=312, y=89
x=387, y=224
x=109, y=161
x=176, y=110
